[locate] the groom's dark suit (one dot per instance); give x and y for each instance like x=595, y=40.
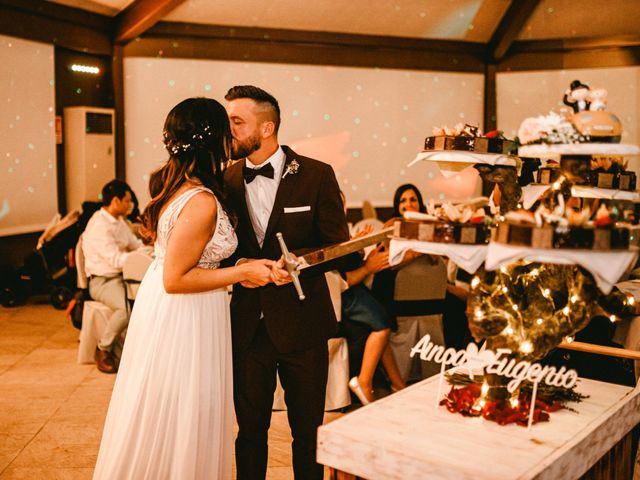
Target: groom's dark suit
x=271, y=328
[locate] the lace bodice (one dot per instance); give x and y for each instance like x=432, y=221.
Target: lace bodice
x=221, y=245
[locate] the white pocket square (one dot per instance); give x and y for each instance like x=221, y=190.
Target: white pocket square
x=305, y=208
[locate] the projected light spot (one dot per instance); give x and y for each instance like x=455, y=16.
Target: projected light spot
x=326, y=116
x=208, y=87
x=430, y=175
x=403, y=172
x=17, y=160
x=355, y=154
x=31, y=146
x=145, y=177
x=356, y=121
x=441, y=196
x=4, y=211
x=405, y=108
x=31, y=189
x=295, y=113
x=174, y=44
x=78, y=91
x=132, y=153
x=461, y=114
x=296, y=78
x=403, y=140
x=51, y=82
x=354, y=187
x=10, y=169
x=172, y=83
x=359, y=87
x=147, y=140
x=375, y=136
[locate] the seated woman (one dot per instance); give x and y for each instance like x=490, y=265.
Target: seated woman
x=359, y=305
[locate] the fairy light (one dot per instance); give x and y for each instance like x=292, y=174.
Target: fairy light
x=515, y=307
x=566, y=310
x=631, y=300
x=514, y=402
x=475, y=281
x=535, y=272
x=509, y=331
x=574, y=298
x=539, y=321
x=568, y=339
x=526, y=347
x=503, y=269
x=505, y=289
x=478, y=313
x=484, y=389
x=556, y=185
x=546, y=293
x=612, y=318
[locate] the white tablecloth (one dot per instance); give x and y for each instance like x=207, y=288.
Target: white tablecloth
x=467, y=257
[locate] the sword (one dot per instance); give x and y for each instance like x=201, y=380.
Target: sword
x=326, y=254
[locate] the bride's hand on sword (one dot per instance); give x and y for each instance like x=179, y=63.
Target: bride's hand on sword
x=257, y=272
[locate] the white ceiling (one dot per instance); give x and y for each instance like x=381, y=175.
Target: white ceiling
x=472, y=20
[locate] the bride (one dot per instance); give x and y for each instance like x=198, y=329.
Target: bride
x=170, y=415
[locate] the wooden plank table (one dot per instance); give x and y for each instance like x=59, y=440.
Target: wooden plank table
x=404, y=436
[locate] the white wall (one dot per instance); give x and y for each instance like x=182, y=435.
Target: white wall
x=28, y=198
x=367, y=123
x=527, y=94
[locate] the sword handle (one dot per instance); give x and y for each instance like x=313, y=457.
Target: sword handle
x=290, y=265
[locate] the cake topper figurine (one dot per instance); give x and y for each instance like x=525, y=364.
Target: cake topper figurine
x=577, y=96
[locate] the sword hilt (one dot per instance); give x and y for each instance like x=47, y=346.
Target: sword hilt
x=290, y=265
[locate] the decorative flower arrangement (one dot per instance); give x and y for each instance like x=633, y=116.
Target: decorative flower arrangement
x=552, y=128
x=468, y=396
x=292, y=168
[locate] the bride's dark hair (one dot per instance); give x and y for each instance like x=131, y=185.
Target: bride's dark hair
x=198, y=138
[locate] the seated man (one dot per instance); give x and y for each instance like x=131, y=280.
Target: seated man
x=106, y=244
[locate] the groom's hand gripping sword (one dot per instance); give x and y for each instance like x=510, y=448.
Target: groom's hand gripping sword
x=328, y=253
x=291, y=266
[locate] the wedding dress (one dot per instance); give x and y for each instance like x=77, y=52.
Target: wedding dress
x=170, y=415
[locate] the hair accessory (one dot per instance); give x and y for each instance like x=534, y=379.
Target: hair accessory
x=197, y=139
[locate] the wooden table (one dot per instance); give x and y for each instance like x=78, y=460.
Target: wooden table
x=404, y=436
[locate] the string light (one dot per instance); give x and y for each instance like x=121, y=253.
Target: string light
x=568, y=339
x=566, y=310
x=539, y=321
x=514, y=402
x=574, y=298
x=526, y=347
x=85, y=69
x=612, y=318
x=475, y=281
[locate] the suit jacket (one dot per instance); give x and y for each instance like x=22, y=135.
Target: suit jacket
x=293, y=325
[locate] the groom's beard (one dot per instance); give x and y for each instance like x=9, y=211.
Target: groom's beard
x=240, y=150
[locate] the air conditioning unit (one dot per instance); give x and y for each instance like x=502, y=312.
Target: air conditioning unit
x=89, y=153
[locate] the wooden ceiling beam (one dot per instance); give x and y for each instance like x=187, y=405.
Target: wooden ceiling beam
x=509, y=27
x=139, y=16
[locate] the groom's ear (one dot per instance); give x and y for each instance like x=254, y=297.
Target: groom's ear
x=267, y=128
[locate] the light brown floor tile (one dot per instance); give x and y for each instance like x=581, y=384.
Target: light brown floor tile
x=11, y=445
x=31, y=473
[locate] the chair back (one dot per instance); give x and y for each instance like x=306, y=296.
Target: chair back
x=133, y=270
x=422, y=279
x=81, y=274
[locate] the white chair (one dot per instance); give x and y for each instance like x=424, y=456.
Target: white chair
x=337, y=395
x=420, y=280
x=133, y=270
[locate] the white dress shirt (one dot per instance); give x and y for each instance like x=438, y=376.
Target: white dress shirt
x=106, y=243
x=260, y=194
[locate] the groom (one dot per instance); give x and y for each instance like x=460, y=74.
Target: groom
x=272, y=189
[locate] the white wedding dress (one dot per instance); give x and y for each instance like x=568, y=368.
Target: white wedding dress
x=170, y=415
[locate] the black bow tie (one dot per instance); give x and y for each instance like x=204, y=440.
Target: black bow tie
x=251, y=173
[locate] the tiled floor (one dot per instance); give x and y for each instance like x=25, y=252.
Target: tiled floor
x=52, y=409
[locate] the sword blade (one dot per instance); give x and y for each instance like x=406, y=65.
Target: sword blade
x=345, y=248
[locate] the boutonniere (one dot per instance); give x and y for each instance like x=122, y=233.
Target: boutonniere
x=292, y=168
